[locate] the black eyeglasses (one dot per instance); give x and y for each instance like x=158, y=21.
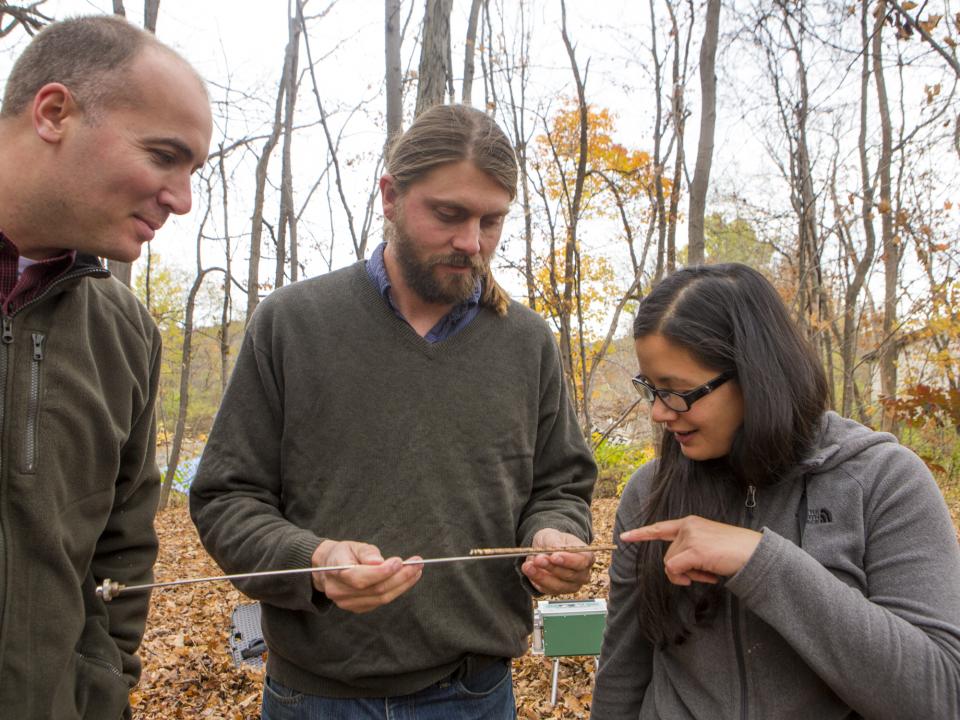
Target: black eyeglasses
x=678, y=401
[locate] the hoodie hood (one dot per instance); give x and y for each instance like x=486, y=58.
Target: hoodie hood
x=840, y=439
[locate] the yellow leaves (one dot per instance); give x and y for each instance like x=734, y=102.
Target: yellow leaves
x=932, y=91
x=597, y=285
x=908, y=5
x=557, y=153
x=950, y=41
x=883, y=206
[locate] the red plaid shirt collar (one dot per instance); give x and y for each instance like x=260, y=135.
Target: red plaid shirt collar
x=18, y=288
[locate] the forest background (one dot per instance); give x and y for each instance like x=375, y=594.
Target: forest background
x=816, y=140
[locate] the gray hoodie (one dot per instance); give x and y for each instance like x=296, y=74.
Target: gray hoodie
x=860, y=618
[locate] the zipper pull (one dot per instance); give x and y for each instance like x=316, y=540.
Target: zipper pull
x=751, y=497
x=7, y=330
x=37, y=347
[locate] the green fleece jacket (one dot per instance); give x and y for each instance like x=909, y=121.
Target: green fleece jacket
x=78, y=491
x=859, y=617
x=341, y=422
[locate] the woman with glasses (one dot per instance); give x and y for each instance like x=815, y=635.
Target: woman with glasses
x=776, y=560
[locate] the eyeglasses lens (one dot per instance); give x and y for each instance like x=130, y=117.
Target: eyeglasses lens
x=674, y=402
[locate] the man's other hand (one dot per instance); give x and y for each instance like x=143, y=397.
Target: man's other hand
x=560, y=572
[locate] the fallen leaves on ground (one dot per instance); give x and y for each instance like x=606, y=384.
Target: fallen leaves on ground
x=188, y=671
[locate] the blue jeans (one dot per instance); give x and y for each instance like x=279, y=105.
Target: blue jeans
x=485, y=695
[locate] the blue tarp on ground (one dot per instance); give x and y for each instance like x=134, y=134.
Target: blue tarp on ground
x=183, y=477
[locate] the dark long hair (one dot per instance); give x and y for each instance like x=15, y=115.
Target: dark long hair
x=729, y=318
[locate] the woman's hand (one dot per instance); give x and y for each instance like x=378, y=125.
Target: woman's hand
x=700, y=550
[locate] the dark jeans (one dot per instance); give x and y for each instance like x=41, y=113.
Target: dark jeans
x=484, y=695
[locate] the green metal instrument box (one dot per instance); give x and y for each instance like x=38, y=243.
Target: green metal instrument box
x=569, y=627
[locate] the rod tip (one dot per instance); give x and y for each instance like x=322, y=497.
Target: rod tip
x=108, y=589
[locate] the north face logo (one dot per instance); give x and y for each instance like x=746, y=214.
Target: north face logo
x=818, y=516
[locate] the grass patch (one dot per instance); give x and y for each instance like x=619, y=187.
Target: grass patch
x=616, y=462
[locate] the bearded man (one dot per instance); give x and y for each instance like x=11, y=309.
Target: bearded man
x=403, y=406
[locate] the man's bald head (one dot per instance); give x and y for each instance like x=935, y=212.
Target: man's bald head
x=90, y=56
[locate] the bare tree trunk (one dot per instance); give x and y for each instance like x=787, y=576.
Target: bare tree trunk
x=486, y=58
x=708, y=121
x=287, y=218
x=225, y=313
x=151, y=8
x=570, y=259
x=263, y=163
x=490, y=87
x=891, y=251
x=120, y=270
x=173, y=459
x=678, y=112
x=434, y=72
x=804, y=195
x=521, y=138
x=147, y=300
x=359, y=242
x=118, y=8
x=393, y=70
x=852, y=294
x=468, y=52
x=659, y=201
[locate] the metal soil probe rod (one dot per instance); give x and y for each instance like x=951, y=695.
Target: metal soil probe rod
x=109, y=589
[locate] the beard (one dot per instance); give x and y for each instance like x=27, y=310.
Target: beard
x=419, y=272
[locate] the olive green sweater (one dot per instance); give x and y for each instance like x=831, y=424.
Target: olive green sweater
x=78, y=490
x=341, y=422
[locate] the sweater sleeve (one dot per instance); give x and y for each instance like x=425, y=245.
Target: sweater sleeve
x=626, y=659
x=127, y=547
x=563, y=468
x=235, y=498
x=893, y=652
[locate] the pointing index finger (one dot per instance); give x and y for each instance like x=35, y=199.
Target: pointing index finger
x=664, y=530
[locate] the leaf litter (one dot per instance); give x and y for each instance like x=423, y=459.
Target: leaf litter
x=188, y=671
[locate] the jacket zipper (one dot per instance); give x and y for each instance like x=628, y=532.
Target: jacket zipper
x=5, y=339
x=94, y=271
x=741, y=663
x=101, y=663
x=749, y=504
x=33, y=403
